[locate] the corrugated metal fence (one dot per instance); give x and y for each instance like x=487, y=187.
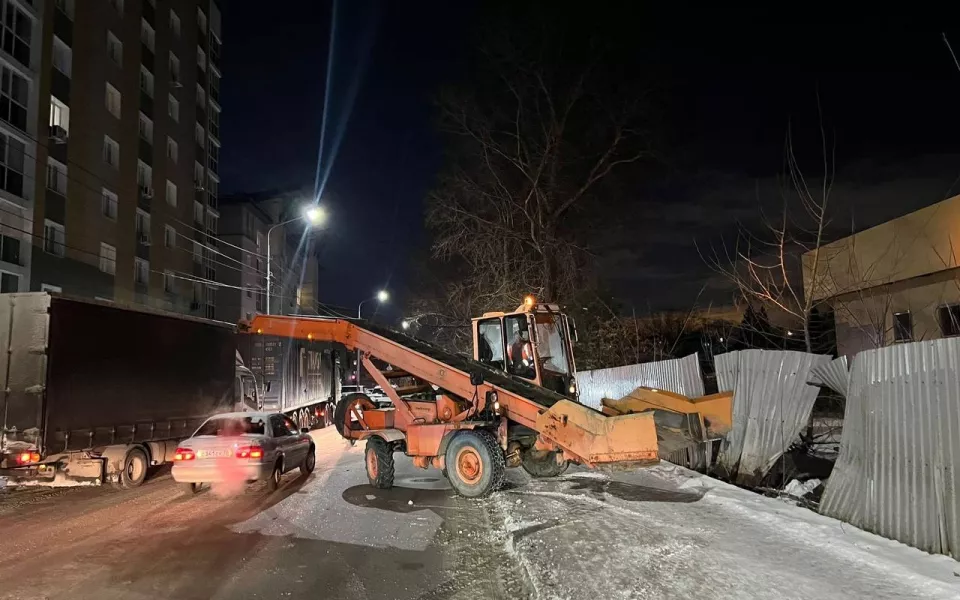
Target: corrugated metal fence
x=681, y=376
x=771, y=405
x=897, y=473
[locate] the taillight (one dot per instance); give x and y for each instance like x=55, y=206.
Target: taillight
x=184, y=454
x=249, y=452
x=25, y=458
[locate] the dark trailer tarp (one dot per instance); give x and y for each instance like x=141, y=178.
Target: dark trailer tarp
x=110, y=374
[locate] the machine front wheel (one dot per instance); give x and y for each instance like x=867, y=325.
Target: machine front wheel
x=540, y=463
x=474, y=463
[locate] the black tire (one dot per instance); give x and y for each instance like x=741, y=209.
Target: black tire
x=474, y=463
x=192, y=488
x=134, y=469
x=542, y=464
x=340, y=415
x=309, y=461
x=274, y=481
x=379, y=462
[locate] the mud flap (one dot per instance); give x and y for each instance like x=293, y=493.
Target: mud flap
x=594, y=438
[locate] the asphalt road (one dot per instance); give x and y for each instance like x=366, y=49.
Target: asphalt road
x=328, y=536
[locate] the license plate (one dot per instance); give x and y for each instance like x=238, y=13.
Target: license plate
x=214, y=453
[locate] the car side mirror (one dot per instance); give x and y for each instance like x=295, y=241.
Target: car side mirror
x=304, y=430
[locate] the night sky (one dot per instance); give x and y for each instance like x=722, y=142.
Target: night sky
x=728, y=90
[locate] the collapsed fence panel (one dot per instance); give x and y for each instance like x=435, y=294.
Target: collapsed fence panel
x=680, y=375
x=900, y=452
x=833, y=374
x=771, y=405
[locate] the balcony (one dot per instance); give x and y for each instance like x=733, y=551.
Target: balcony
x=63, y=27
x=147, y=57
x=146, y=151
x=60, y=86
x=56, y=206
x=149, y=14
x=146, y=104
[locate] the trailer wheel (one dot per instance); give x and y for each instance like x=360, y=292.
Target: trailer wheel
x=379, y=459
x=474, y=463
x=540, y=463
x=134, y=468
x=343, y=417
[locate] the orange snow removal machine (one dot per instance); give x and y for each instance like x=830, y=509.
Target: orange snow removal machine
x=514, y=404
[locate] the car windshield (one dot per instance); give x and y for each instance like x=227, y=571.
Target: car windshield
x=552, y=344
x=232, y=426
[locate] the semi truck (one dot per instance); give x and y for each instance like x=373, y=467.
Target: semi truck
x=94, y=392
x=300, y=378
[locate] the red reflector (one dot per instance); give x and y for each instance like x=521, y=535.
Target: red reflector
x=184, y=454
x=249, y=452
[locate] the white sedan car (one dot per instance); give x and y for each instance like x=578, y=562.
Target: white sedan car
x=241, y=447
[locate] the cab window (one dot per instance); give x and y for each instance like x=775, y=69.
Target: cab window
x=520, y=360
x=490, y=343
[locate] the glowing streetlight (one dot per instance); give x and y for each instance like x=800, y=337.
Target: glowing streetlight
x=405, y=324
x=381, y=297
x=311, y=215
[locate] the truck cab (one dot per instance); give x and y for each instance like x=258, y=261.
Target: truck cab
x=534, y=342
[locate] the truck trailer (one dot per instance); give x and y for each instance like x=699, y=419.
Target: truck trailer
x=95, y=392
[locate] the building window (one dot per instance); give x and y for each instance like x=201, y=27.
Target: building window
x=171, y=193
x=9, y=283
x=113, y=101
x=197, y=252
x=12, y=153
x=169, y=236
x=173, y=150
x=201, y=97
x=141, y=271
x=214, y=50
x=66, y=7
x=118, y=5
x=213, y=190
x=174, y=64
x=173, y=108
x=17, y=27
x=147, y=35
x=111, y=152
x=146, y=129
x=949, y=317
x=10, y=249
x=214, y=122
x=108, y=259
x=213, y=160
x=57, y=176
x=168, y=279
x=198, y=175
x=59, y=116
x=108, y=204
x=144, y=175
x=46, y=287
x=174, y=23
x=199, y=135
x=54, y=238
x=143, y=226
x=903, y=327
x=146, y=81
x=114, y=48
x=201, y=59
x=197, y=212
x=201, y=21
x=62, y=57
x=14, y=92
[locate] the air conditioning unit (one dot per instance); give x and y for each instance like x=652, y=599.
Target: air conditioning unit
x=58, y=134
x=146, y=192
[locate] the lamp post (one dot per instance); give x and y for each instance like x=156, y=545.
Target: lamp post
x=312, y=215
x=381, y=297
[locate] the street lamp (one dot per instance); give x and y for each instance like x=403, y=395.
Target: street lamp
x=312, y=215
x=381, y=297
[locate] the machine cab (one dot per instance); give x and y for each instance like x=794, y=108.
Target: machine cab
x=534, y=342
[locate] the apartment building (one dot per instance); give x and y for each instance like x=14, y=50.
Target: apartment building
x=128, y=140
x=247, y=221
x=896, y=282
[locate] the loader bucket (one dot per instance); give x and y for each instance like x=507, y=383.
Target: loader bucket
x=597, y=438
x=681, y=422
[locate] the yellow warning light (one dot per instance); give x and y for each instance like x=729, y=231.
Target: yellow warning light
x=529, y=301
x=309, y=336
x=259, y=331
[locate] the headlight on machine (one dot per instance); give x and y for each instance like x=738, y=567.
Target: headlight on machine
x=494, y=401
x=573, y=386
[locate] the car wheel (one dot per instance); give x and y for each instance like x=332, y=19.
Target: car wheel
x=274, y=482
x=192, y=488
x=309, y=461
x=134, y=468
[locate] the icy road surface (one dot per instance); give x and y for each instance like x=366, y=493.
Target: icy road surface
x=668, y=533
x=657, y=534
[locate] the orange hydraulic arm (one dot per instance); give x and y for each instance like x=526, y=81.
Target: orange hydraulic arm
x=583, y=434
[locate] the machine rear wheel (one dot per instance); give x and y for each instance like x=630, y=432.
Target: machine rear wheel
x=344, y=416
x=379, y=461
x=540, y=463
x=474, y=463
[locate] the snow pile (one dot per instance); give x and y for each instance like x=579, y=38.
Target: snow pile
x=670, y=533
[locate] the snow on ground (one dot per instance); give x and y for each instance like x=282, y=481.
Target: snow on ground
x=670, y=533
